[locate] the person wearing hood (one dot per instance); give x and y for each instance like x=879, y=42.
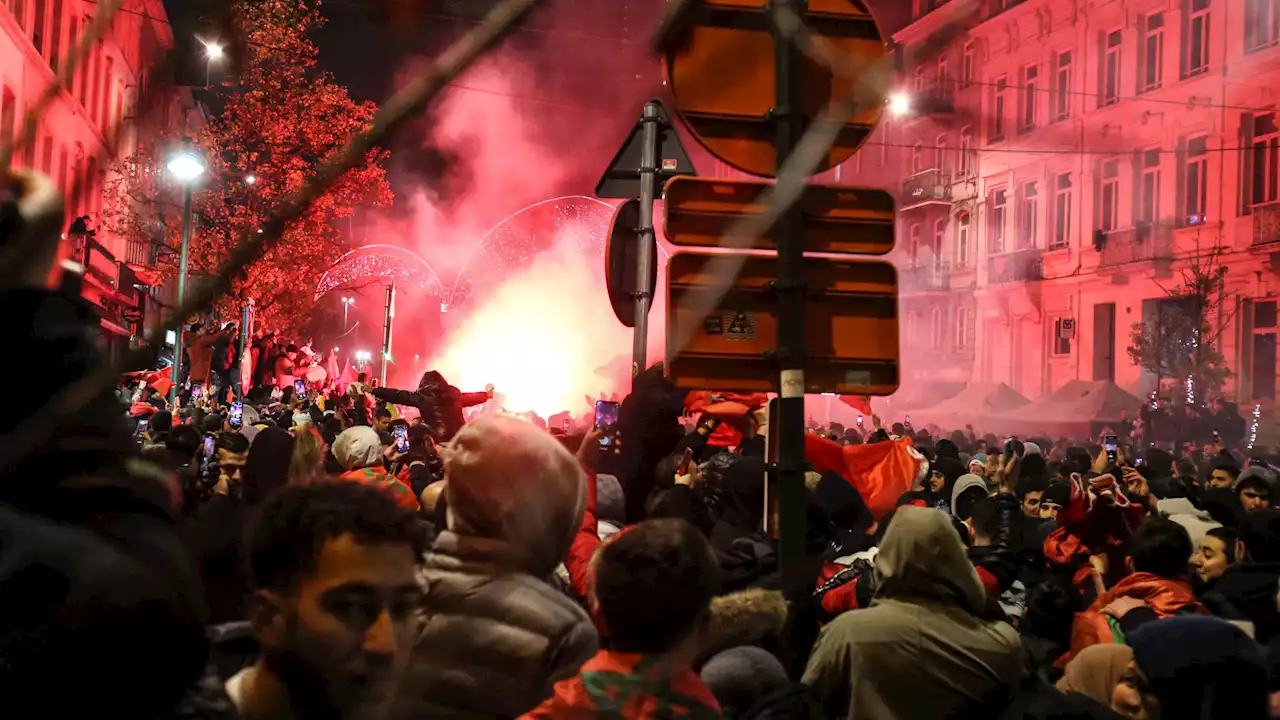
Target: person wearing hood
x=1253, y=489
x=359, y=452
x=440, y=404
x=1193, y=668
x=928, y=627
x=498, y=636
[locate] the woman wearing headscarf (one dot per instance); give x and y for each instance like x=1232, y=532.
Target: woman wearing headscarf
x=1095, y=672
x=359, y=451
x=928, y=627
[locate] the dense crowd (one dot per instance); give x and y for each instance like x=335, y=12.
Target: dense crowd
x=331, y=551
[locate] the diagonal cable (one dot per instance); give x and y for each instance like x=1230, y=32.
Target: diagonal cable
x=399, y=108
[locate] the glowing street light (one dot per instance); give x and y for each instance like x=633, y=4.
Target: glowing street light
x=347, y=302
x=899, y=104
x=186, y=167
x=213, y=52
x=251, y=179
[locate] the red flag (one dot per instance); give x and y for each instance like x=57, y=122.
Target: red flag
x=880, y=471
x=861, y=403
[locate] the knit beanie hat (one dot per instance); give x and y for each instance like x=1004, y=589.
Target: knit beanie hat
x=741, y=676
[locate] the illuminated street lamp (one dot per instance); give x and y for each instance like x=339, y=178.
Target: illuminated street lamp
x=899, y=104
x=213, y=52
x=347, y=302
x=251, y=179
x=186, y=167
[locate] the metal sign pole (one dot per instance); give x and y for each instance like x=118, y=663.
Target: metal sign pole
x=182, y=295
x=791, y=337
x=386, y=332
x=645, y=236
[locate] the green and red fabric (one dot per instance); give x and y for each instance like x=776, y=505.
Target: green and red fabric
x=378, y=477
x=630, y=686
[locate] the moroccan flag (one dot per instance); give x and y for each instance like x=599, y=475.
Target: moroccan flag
x=881, y=472
x=861, y=403
x=733, y=410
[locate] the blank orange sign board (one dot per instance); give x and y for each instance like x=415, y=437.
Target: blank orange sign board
x=721, y=74
x=699, y=211
x=851, y=325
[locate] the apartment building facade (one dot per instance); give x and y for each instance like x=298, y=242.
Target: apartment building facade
x=91, y=121
x=1063, y=162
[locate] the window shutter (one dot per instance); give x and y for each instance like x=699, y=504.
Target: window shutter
x=1180, y=178
x=1245, y=144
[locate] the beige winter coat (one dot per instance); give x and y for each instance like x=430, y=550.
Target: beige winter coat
x=920, y=650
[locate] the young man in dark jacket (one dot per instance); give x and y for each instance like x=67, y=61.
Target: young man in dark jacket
x=439, y=403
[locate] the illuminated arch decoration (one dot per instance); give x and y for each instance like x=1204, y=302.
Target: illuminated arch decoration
x=381, y=262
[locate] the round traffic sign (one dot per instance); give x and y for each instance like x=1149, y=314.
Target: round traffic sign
x=720, y=69
x=621, y=255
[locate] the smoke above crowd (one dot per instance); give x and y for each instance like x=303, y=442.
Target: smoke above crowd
x=524, y=304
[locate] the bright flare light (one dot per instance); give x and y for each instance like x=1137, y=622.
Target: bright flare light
x=899, y=104
x=185, y=166
x=213, y=50
x=540, y=336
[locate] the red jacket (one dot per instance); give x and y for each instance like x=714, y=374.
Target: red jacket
x=1166, y=597
x=635, y=687
x=584, y=543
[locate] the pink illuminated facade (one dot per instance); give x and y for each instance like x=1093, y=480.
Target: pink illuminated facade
x=1062, y=161
x=72, y=143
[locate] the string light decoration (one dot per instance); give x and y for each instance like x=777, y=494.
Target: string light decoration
x=1191, y=391
x=522, y=236
x=381, y=262
x=1253, y=427
x=1154, y=400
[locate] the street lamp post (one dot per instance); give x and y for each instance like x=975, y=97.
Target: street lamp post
x=186, y=168
x=347, y=302
x=212, y=53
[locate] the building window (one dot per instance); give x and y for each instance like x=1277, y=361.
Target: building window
x=939, y=151
x=1152, y=72
x=1030, y=88
x=917, y=158
x=939, y=232
x=1197, y=188
x=1064, y=330
x=1027, y=215
x=913, y=323
x=966, y=151
x=1261, y=24
x=1110, y=90
x=1266, y=159
x=38, y=24
x=1196, y=59
x=1062, y=211
x=999, y=202
x=920, y=81
x=913, y=248
x=1109, y=207
x=939, y=328
x=944, y=77
x=998, y=108
x=1149, y=209
x=55, y=35
x=962, y=239
x=961, y=339
x=966, y=66
x=8, y=116
x=1263, y=367
x=63, y=162
x=1062, y=90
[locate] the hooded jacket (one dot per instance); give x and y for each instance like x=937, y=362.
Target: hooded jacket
x=1202, y=668
x=439, y=403
x=497, y=636
x=924, y=629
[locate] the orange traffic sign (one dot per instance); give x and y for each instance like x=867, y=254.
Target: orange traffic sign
x=836, y=219
x=851, y=325
x=720, y=68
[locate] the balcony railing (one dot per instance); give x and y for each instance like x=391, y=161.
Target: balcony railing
x=1136, y=244
x=927, y=186
x=1266, y=224
x=1018, y=266
x=927, y=276
x=141, y=253
x=938, y=98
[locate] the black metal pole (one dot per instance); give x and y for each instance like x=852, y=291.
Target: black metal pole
x=644, y=235
x=791, y=341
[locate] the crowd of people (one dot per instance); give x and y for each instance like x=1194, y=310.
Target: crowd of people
x=334, y=553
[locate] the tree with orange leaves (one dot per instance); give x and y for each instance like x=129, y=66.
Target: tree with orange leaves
x=281, y=119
